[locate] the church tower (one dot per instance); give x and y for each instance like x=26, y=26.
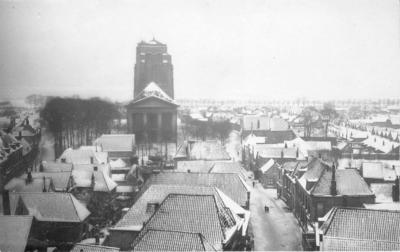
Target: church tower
x=153, y=64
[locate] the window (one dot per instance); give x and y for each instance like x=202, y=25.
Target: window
x=320, y=209
x=270, y=182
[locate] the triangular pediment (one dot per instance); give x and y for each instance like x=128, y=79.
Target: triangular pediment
x=151, y=101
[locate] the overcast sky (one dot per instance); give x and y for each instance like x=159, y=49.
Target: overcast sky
x=220, y=49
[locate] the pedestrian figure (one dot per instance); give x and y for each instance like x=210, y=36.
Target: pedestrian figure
x=254, y=184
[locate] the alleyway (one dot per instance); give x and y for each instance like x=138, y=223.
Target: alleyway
x=276, y=230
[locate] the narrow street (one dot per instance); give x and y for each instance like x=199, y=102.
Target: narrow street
x=276, y=230
x=46, y=148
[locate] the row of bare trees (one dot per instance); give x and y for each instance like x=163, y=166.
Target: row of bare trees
x=311, y=116
x=75, y=122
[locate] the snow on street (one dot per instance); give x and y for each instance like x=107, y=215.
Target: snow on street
x=276, y=230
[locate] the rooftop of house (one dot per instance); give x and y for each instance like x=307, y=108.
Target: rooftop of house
x=256, y=123
x=51, y=207
x=203, y=214
x=92, y=248
x=21, y=185
x=376, y=170
x=348, y=182
x=209, y=167
x=163, y=240
x=276, y=153
x=14, y=232
x=144, y=208
x=361, y=229
x=229, y=183
x=268, y=165
x=383, y=206
x=60, y=180
x=105, y=168
x=194, y=166
x=383, y=192
x=119, y=163
x=78, y=157
x=202, y=150
x=103, y=183
x=57, y=167
x=114, y=142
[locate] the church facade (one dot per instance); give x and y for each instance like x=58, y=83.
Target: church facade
x=152, y=114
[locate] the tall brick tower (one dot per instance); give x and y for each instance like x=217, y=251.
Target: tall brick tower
x=153, y=64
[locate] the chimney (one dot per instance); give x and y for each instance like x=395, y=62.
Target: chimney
x=95, y=168
x=91, y=160
x=333, y=182
x=44, y=184
x=6, y=203
x=395, y=190
x=19, y=135
x=63, y=160
x=282, y=154
x=156, y=206
x=297, y=153
x=188, y=170
x=27, y=120
x=285, y=145
x=93, y=180
x=319, y=155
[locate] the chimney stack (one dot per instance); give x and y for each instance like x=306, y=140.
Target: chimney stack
x=19, y=135
x=156, y=206
x=297, y=153
x=188, y=170
x=44, y=184
x=97, y=239
x=333, y=182
x=319, y=155
x=6, y=203
x=93, y=180
x=282, y=154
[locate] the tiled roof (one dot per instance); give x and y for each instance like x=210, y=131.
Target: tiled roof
x=361, y=229
x=116, y=142
x=103, y=183
x=229, y=183
x=193, y=213
x=348, y=182
x=208, y=150
x=60, y=180
x=138, y=213
x=92, y=248
x=93, y=148
x=162, y=240
x=57, y=167
x=20, y=185
x=52, y=207
x=194, y=166
x=14, y=232
x=78, y=156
